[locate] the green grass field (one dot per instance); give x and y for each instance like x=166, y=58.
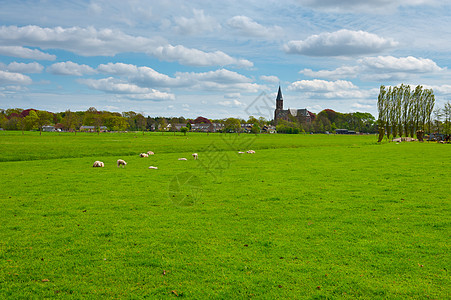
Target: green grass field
x=307, y=216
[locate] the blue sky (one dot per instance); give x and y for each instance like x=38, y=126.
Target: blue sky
x=214, y=58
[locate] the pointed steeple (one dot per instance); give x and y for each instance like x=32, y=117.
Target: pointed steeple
x=279, y=95
x=279, y=100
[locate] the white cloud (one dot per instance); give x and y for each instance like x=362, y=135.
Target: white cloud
x=271, y=79
x=342, y=72
x=223, y=76
x=249, y=27
x=195, y=57
x=321, y=86
x=362, y=106
x=218, y=80
x=231, y=103
x=444, y=89
x=328, y=89
x=129, y=90
x=7, y=78
x=108, y=42
x=340, y=43
x=33, y=67
x=199, y=23
x=83, y=41
x=21, y=52
x=70, y=68
x=401, y=64
x=380, y=68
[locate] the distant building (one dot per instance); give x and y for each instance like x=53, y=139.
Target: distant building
x=92, y=128
x=207, y=127
x=302, y=115
x=269, y=129
x=344, y=131
x=48, y=128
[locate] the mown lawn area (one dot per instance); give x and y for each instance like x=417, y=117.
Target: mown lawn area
x=306, y=216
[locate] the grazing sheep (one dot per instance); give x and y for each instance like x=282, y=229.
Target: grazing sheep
x=182, y=158
x=250, y=152
x=154, y=168
x=121, y=162
x=144, y=155
x=195, y=155
x=240, y=152
x=98, y=164
x=150, y=153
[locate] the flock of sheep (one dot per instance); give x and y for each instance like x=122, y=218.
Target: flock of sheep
x=122, y=163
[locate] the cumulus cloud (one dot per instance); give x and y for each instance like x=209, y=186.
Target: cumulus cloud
x=7, y=78
x=340, y=43
x=317, y=85
x=195, y=57
x=199, y=23
x=70, y=68
x=247, y=26
x=21, y=52
x=341, y=72
x=231, y=103
x=271, y=79
x=401, y=64
x=328, y=89
x=131, y=91
x=108, y=42
x=358, y=106
x=33, y=67
x=218, y=80
x=83, y=41
x=380, y=68
x=444, y=89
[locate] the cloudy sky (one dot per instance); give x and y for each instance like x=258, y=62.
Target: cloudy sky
x=219, y=58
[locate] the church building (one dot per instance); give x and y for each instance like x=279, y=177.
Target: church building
x=301, y=115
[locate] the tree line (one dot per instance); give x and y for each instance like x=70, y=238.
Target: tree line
x=328, y=120
x=401, y=111
x=404, y=111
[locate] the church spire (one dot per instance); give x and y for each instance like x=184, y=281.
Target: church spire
x=279, y=95
x=279, y=100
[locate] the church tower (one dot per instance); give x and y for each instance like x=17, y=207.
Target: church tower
x=279, y=100
x=279, y=106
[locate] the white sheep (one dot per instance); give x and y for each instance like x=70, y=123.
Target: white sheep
x=154, y=168
x=250, y=151
x=240, y=152
x=182, y=158
x=98, y=164
x=121, y=162
x=195, y=155
x=150, y=153
x=144, y=155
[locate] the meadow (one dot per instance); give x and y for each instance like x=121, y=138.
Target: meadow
x=306, y=217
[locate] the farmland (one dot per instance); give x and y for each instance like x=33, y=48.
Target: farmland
x=307, y=216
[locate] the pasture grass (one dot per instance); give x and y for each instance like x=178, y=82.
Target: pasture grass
x=307, y=216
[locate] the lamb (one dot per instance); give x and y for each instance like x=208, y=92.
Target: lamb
x=195, y=155
x=144, y=155
x=121, y=162
x=150, y=153
x=250, y=152
x=98, y=164
x=182, y=158
x=154, y=168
